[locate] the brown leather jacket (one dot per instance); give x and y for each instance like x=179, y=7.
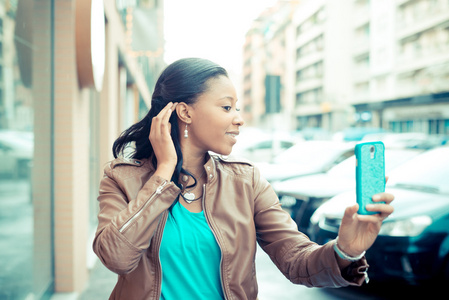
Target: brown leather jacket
x=241, y=209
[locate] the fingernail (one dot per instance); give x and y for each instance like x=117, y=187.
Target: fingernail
x=376, y=198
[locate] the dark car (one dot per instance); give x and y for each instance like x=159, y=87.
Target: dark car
x=413, y=243
x=301, y=196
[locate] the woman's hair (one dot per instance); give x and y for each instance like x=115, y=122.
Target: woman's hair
x=182, y=81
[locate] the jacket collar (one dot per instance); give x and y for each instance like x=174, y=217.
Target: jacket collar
x=210, y=168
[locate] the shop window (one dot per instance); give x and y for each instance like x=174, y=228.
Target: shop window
x=26, y=261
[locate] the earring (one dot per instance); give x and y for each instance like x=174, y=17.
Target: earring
x=186, y=133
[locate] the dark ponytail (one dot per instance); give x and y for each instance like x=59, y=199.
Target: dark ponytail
x=182, y=81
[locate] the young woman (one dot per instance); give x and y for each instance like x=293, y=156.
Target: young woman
x=177, y=222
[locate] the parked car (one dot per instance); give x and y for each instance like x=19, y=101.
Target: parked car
x=356, y=133
x=261, y=146
x=315, y=133
x=413, y=243
x=16, y=153
x=305, y=158
x=415, y=140
x=303, y=195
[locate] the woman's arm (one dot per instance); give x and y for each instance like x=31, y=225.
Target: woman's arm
x=126, y=226
x=298, y=258
x=357, y=232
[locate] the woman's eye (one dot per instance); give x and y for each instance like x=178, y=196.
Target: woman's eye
x=237, y=109
x=227, y=108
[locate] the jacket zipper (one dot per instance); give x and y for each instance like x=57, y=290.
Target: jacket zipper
x=216, y=238
x=159, y=241
x=137, y=214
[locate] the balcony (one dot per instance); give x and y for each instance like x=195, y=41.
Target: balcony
x=308, y=84
x=309, y=59
x=361, y=46
x=419, y=25
x=309, y=35
x=428, y=57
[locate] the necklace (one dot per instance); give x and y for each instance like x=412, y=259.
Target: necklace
x=190, y=197
x=186, y=194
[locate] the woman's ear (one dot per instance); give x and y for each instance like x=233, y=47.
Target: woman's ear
x=183, y=112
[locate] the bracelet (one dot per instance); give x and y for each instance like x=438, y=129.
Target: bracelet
x=345, y=256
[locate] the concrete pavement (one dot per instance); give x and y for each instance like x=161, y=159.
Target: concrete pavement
x=101, y=283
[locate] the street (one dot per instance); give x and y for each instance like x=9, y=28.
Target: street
x=273, y=285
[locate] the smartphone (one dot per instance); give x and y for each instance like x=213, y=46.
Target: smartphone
x=369, y=173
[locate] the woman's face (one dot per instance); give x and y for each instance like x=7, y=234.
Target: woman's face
x=215, y=118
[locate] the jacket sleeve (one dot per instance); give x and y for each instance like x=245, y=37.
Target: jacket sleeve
x=125, y=226
x=299, y=259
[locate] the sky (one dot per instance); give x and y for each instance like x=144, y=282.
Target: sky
x=212, y=29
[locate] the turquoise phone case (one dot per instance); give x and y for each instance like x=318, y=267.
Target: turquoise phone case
x=369, y=172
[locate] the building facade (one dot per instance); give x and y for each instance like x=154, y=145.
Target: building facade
x=71, y=79
x=266, y=65
x=322, y=77
x=364, y=63
x=407, y=89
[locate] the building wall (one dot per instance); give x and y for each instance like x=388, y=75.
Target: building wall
x=73, y=129
x=41, y=180
x=266, y=53
x=359, y=58
x=71, y=157
x=56, y=135
x=322, y=74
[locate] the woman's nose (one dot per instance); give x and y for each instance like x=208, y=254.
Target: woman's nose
x=238, y=120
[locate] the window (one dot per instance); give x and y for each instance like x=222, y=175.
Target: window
x=25, y=150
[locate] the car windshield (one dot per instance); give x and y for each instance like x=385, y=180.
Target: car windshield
x=393, y=158
x=427, y=172
x=344, y=169
x=308, y=153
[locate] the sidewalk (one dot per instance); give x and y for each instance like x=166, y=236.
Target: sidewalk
x=100, y=285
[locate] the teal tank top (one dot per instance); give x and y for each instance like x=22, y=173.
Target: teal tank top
x=190, y=257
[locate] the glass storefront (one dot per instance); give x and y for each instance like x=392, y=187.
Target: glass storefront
x=94, y=164
x=26, y=251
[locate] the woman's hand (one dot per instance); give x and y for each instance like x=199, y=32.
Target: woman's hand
x=358, y=232
x=162, y=143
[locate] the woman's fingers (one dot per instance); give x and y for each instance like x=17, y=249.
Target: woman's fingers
x=381, y=206
x=160, y=123
x=382, y=210
x=162, y=142
x=167, y=111
x=383, y=197
x=350, y=211
x=165, y=118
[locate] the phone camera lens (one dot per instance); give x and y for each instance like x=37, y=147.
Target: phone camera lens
x=371, y=149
